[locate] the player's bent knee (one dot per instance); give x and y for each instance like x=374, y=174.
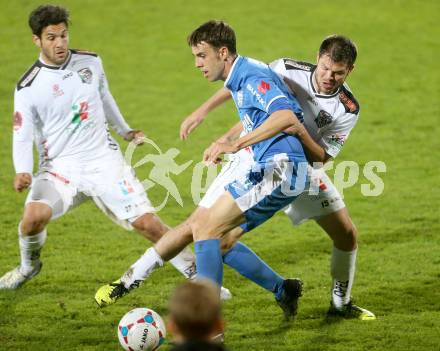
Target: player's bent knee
x=347, y=239
x=227, y=243
x=200, y=228
x=196, y=227
x=352, y=235
x=230, y=239
x=36, y=217
x=186, y=234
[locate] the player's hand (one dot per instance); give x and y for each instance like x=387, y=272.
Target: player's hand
x=189, y=124
x=22, y=181
x=212, y=154
x=297, y=129
x=206, y=155
x=137, y=136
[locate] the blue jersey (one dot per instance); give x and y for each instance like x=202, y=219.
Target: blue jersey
x=258, y=92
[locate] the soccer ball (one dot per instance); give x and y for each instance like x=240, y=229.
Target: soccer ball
x=141, y=329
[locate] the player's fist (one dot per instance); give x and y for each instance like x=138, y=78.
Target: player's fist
x=212, y=154
x=296, y=129
x=22, y=181
x=207, y=155
x=137, y=136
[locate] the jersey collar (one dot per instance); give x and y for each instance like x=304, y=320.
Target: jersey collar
x=41, y=63
x=323, y=96
x=238, y=58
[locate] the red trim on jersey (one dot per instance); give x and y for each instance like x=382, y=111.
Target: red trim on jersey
x=346, y=101
x=64, y=180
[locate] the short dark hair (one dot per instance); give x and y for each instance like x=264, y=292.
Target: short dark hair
x=215, y=33
x=195, y=308
x=46, y=15
x=339, y=48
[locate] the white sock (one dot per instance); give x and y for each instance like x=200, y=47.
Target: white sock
x=185, y=263
x=343, y=266
x=142, y=268
x=30, y=248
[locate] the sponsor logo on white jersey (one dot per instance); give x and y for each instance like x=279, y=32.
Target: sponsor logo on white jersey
x=57, y=91
x=324, y=118
x=68, y=75
x=30, y=76
x=338, y=139
x=86, y=75
x=312, y=101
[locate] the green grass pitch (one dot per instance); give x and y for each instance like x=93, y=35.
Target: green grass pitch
x=152, y=76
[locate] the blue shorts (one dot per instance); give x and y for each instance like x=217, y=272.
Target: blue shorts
x=268, y=188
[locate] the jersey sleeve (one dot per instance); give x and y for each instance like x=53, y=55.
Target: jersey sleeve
x=23, y=133
x=111, y=109
x=267, y=96
x=278, y=67
x=334, y=138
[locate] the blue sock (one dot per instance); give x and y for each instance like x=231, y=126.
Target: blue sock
x=209, y=260
x=248, y=264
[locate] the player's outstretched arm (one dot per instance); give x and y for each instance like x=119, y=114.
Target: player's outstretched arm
x=194, y=119
x=227, y=138
x=276, y=123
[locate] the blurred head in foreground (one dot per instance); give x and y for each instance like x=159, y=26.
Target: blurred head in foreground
x=195, y=312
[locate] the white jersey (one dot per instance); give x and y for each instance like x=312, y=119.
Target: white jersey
x=65, y=111
x=327, y=118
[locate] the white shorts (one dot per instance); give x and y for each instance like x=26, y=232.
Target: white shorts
x=315, y=206
x=112, y=185
x=238, y=166
x=306, y=206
